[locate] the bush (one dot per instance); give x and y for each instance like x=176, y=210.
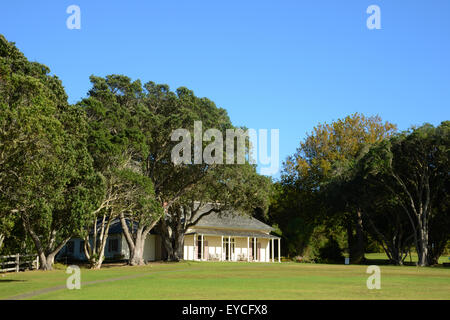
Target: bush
x=331, y=252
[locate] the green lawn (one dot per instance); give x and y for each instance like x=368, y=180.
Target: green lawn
x=378, y=257
x=214, y=280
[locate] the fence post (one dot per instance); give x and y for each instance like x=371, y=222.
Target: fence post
x=17, y=262
x=37, y=263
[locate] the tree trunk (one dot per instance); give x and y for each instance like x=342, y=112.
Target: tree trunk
x=96, y=262
x=358, y=254
x=349, y=237
x=46, y=262
x=46, y=255
x=136, y=242
x=2, y=238
x=95, y=253
x=137, y=255
x=173, y=243
x=422, y=247
x=355, y=241
x=179, y=242
x=137, y=248
x=171, y=253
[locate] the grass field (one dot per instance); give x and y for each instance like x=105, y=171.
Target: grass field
x=225, y=281
x=382, y=258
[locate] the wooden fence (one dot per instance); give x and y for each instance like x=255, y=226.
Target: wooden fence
x=18, y=262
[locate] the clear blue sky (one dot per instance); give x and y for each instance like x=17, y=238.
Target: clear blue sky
x=285, y=65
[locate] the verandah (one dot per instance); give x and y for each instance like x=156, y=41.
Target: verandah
x=207, y=247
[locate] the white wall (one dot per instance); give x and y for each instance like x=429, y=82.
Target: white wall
x=149, y=248
x=124, y=250
x=188, y=253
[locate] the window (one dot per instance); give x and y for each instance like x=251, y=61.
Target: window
x=113, y=245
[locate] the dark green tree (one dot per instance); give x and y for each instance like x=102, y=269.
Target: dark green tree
x=118, y=143
x=413, y=168
x=46, y=173
x=314, y=165
x=179, y=186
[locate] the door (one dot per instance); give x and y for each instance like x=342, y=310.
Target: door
x=228, y=248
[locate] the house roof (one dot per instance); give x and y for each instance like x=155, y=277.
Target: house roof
x=232, y=233
x=230, y=220
x=116, y=226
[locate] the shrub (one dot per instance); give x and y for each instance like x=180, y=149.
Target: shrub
x=331, y=252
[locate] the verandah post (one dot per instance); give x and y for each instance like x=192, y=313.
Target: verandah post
x=273, y=252
x=195, y=255
x=255, y=253
x=17, y=262
x=248, y=249
x=201, y=248
x=229, y=248
x=279, y=249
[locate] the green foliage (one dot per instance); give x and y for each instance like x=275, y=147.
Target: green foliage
x=309, y=196
x=46, y=172
x=331, y=252
x=409, y=175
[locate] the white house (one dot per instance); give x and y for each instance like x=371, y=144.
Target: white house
x=225, y=236
x=229, y=236
x=116, y=246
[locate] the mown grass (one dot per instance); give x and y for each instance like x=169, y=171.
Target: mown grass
x=382, y=257
x=224, y=281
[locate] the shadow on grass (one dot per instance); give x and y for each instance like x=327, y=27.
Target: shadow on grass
x=11, y=280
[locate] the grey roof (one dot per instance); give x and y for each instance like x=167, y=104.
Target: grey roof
x=232, y=233
x=230, y=220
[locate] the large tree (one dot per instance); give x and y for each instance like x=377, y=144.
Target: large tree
x=380, y=209
x=314, y=163
x=139, y=214
x=118, y=142
x=413, y=168
x=179, y=185
x=46, y=173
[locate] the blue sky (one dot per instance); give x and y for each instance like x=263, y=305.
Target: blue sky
x=284, y=65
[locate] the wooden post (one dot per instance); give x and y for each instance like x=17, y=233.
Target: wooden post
x=195, y=245
x=255, y=253
x=229, y=248
x=279, y=250
x=201, y=256
x=248, y=249
x=273, y=253
x=37, y=263
x=17, y=262
x=221, y=248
